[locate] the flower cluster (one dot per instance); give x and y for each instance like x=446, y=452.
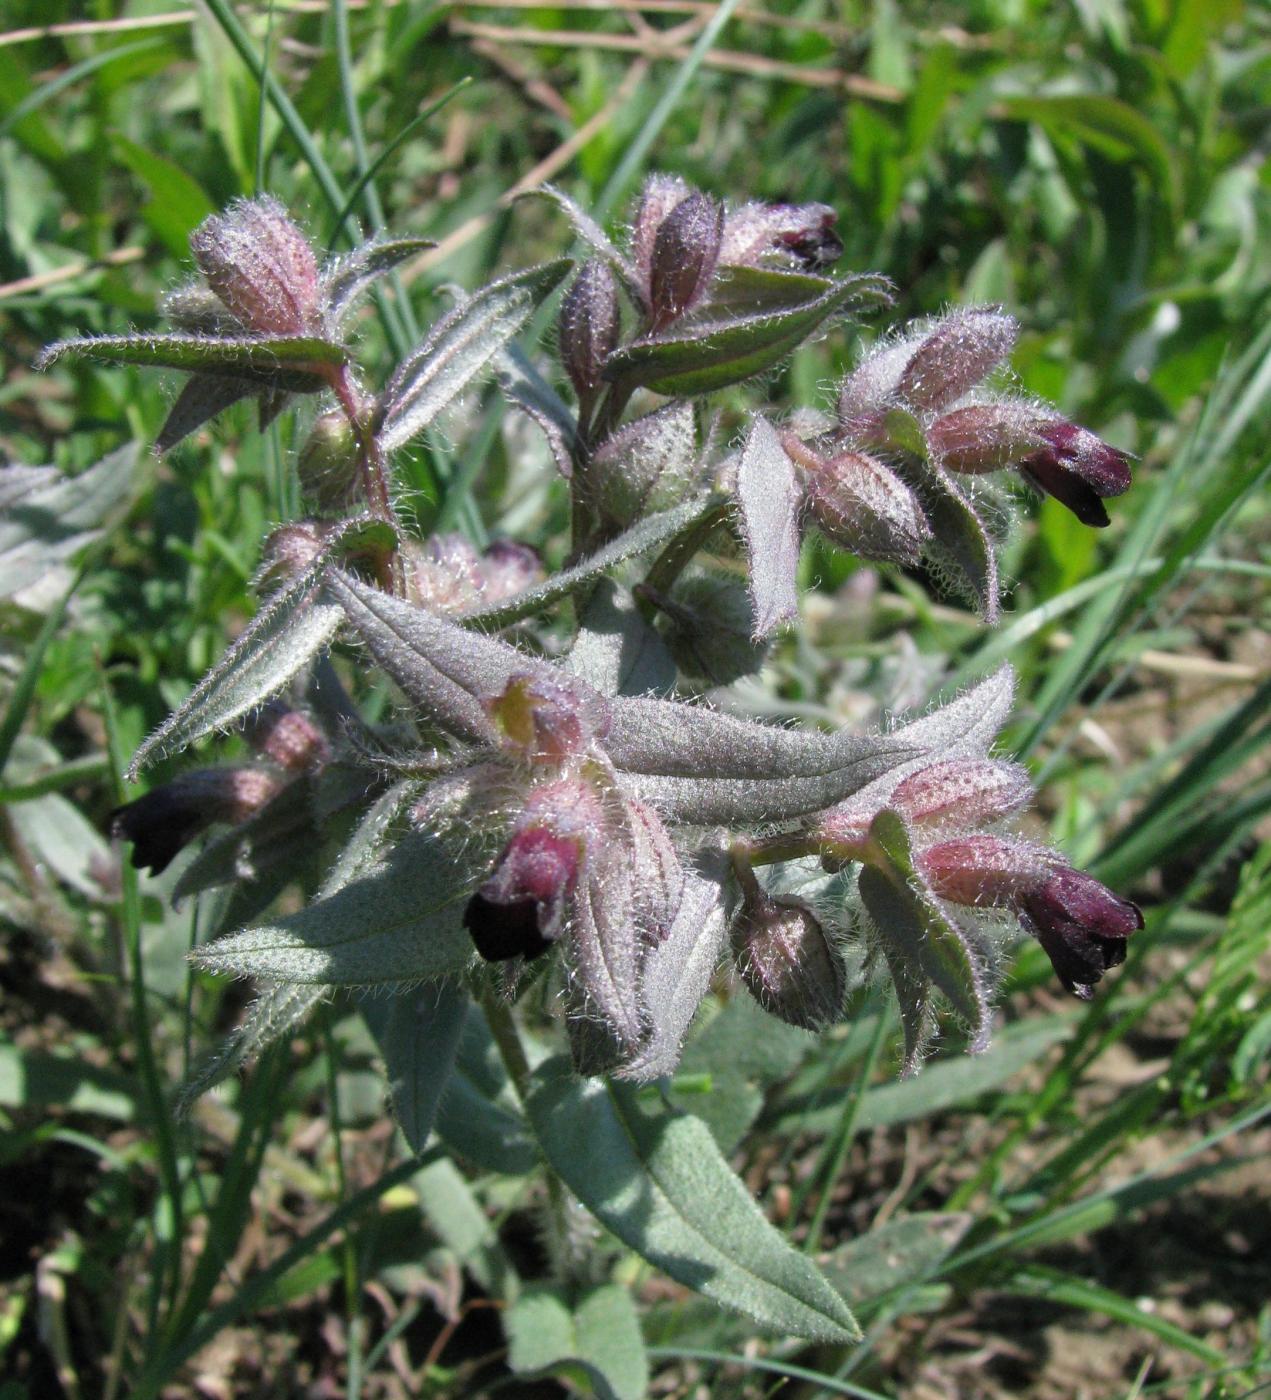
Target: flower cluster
x=576, y=813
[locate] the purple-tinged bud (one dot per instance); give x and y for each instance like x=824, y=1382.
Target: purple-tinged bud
x=647, y=465
x=589, y=326
x=508, y=568
x=984, y=437
x=522, y=909
x=261, y=266
x=983, y=869
x=787, y=962
x=962, y=793
x=1082, y=926
x=546, y=721
x=684, y=256
x=1077, y=468
x=860, y=505
x=327, y=467
x=661, y=193
x=168, y=818
x=291, y=549
x=288, y=737
x=956, y=354
x=801, y=234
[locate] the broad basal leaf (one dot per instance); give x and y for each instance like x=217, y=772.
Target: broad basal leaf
x=595, y=1337
x=712, y=354
x=458, y=348
x=657, y=1181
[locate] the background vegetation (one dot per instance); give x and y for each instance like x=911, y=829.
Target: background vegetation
x=1084, y=1209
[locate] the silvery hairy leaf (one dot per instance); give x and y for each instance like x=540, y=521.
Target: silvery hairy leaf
x=655, y=1178
x=289, y=631
x=697, y=766
x=458, y=348
x=966, y=725
x=959, y=550
x=646, y=534
x=297, y=363
x=479, y=1117
x=596, y=239
x=770, y=496
x=534, y=396
x=749, y=290
x=346, y=278
x=704, y=355
x=398, y=923
x=616, y=651
x=46, y=518
x=677, y=972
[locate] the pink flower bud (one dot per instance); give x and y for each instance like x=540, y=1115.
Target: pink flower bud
x=1082, y=926
x=168, y=818
x=684, y=256
x=1077, y=468
x=801, y=234
x=862, y=506
x=661, y=193
x=288, y=737
x=984, y=437
x=522, y=909
x=589, y=326
x=261, y=266
x=962, y=793
x=955, y=356
x=547, y=721
x=290, y=550
x=983, y=869
x=787, y=962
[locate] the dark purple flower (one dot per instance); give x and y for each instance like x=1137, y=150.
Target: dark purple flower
x=520, y=910
x=1077, y=468
x=1082, y=926
x=168, y=818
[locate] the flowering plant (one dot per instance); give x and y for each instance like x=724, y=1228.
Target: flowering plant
x=566, y=821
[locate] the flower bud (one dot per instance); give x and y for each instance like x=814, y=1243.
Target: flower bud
x=547, y=721
x=984, y=437
x=288, y=737
x=508, y=568
x=261, y=266
x=1082, y=926
x=290, y=550
x=589, y=326
x=168, y=818
x=963, y=793
x=787, y=962
x=521, y=910
x=661, y=193
x=328, y=463
x=802, y=234
x=983, y=869
x=1077, y=468
x=646, y=465
x=955, y=355
x=860, y=505
x=684, y=256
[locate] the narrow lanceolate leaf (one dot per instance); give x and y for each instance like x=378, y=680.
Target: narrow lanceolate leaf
x=656, y=1179
x=288, y=632
x=769, y=494
x=694, y=765
x=595, y=237
x=202, y=397
x=534, y=396
x=595, y=1337
x=708, y=355
x=401, y=922
x=678, y=971
x=459, y=347
x=748, y=290
x=967, y=725
x=417, y=1033
x=909, y=918
x=959, y=551
x=299, y=363
x=344, y=280
x=643, y=536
